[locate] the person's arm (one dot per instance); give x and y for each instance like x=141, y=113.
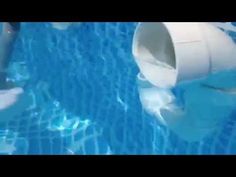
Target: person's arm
x=8, y=37
x=9, y=34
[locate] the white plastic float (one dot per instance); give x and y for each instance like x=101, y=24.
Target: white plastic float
x=168, y=54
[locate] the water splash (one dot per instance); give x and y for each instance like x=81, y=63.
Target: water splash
x=66, y=123
x=122, y=103
x=193, y=119
x=11, y=143
x=18, y=73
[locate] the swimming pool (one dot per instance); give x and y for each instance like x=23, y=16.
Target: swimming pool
x=86, y=100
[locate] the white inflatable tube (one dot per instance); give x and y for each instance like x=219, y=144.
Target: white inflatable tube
x=169, y=53
x=13, y=102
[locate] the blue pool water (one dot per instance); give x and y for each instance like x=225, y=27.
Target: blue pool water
x=86, y=101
